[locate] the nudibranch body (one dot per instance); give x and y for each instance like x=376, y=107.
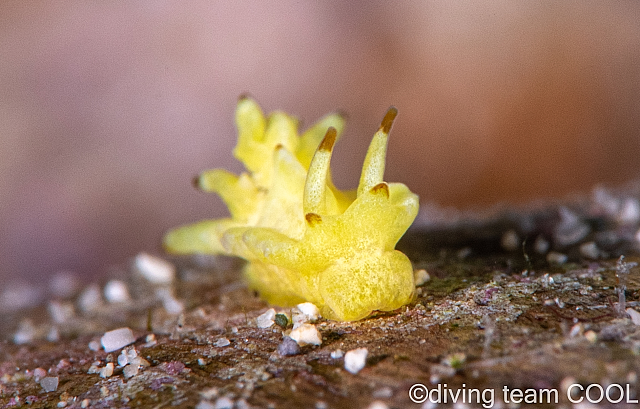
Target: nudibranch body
x=304, y=239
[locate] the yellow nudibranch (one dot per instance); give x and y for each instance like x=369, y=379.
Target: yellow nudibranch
x=304, y=239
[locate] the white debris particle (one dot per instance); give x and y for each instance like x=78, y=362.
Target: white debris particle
x=310, y=310
x=154, y=269
x=337, y=354
x=510, y=240
x=90, y=299
x=64, y=284
x=18, y=296
x=634, y=315
x=205, y=404
x=463, y=253
x=209, y=393
x=383, y=393
x=94, y=345
x=116, y=291
x=591, y=336
x=38, y=374
x=421, y=276
x=53, y=335
x=26, y=332
x=630, y=212
x=288, y=347
x=62, y=404
x=605, y=201
x=201, y=362
x=306, y=334
x=589, y=250
x=540, y=246
x=150, y=341
x=223, y=403
x=378, y=404
x=85, y=403
x=60, y=312
x=139, y=361
x=570, y=229
x=242, y=404
x=172, y=305
x=107, y=371
x=94, y=368
x=49, y=384
x=222, y=342
x=266, y=320
x=130, y=371
x=303, y=313
x=116, y=339
x=553, y=257
x=127, y=356
x=355, y=360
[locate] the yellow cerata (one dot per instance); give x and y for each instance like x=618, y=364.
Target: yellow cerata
x=305, y=240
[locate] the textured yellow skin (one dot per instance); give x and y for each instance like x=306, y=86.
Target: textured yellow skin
x=304, y=239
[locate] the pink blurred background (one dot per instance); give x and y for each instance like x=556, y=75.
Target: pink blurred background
x=107, y=110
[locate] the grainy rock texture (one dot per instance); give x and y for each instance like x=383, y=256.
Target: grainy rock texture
x=492, y=313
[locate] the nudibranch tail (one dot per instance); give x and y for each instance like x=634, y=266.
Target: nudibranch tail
x=315, y=188
x=374, y=162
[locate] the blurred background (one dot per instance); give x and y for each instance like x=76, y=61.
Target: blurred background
x=107, y=110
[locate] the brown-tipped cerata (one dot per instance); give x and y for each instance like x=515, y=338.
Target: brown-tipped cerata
x=381, y=189
x=313, y=218
x=387, y=121
x=329, y=140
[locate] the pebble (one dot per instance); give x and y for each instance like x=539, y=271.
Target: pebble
x=355, y=360
x=303, y=313
x=306, y=334
x=154, y=269
x=223, y=403
x=18, y=296
x=60, y=312
x=222, y=342
x=288, y=347
x=378, y=404
x=130, y=371
x=421, y=276
x=630, y=212
x=171, y=304
x=26, y=332
x=116, y=291
x=266, y=320
x=107, y=371
x=553, y=257
x=337, y=354
x=38, y=374
x=541, y=246
x=510, y=240
x=64, y=284
x=116, y=339
x=589, y=250
x=570, y=229
x=634, y=315
x=205, y=404
x=90, y=299
x=49, y=384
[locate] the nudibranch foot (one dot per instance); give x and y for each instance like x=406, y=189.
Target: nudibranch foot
x=304, y=239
